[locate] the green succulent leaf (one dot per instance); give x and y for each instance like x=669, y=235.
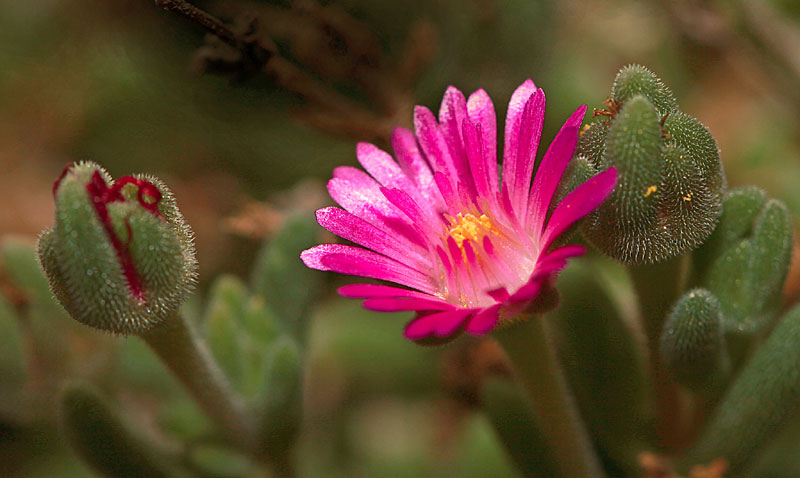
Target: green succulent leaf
x=748, y=276
x=510, y=413
x=106, y=442
x=281, y=278
x=758, y=404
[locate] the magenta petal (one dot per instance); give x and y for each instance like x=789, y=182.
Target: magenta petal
x=360, y=195
x=551, y=169
x=382, y=167
x=404, y=304
x=409, y=156
x=452, y=114
x=480, y=112
x=523, y=146
x=563, y=252
x=449, y=194
x=475, y=146
x=371, y=291
x=527, y=292
x=355, y=229
x=500, y=294
x=580, y=202
x=514, y=118
x=409, y=207
x=484, y=321
x=441, y=324
x=433, y=143
x=362, y=262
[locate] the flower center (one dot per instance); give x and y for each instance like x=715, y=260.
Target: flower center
x=470, y=227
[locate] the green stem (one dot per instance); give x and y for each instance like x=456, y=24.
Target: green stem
x=536, y=366
x=178, y=346
x=657, y=287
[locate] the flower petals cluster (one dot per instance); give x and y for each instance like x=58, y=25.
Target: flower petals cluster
x=472, y=249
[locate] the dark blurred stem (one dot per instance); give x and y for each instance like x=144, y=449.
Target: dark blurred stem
x=533, y=357
x=333, y=111
x=657, y=287
x=177, y=345
x=211, y=23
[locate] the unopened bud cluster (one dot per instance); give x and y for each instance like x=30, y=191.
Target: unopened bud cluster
x=120, y=257
x=670, y=186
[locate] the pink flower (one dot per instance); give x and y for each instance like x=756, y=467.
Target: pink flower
x=438, y=221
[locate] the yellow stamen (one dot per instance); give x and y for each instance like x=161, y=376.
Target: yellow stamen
x=470, y=227
x=651, y=190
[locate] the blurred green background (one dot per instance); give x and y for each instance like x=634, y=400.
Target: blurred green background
x=131, y=86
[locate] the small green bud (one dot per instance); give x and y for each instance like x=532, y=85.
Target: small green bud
x=693, y=343
x=635, y=80
x=758, y=404
x=120, y=257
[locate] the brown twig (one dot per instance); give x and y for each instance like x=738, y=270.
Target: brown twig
x=338, y=38
x=252, y=48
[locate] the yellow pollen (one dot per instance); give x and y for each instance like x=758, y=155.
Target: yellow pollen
x=470, y=227
x=651, y=190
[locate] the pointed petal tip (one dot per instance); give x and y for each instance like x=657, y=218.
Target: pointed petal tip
x=312, y=258
x=576, y=118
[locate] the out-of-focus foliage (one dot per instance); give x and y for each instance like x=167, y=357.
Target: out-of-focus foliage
x=116, y=82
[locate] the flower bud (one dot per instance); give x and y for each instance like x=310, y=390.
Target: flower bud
x=670, y=181
x=120, y=257
x=693, y=342
x=635, y=80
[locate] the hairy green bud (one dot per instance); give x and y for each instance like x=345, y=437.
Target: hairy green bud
x=633, y=146
x=635, y=80
x=761, y=400
x=120, y=257
x=592, y=142
x=693, y=343
x=669, y=193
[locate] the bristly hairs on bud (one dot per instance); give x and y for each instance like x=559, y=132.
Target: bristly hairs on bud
x=120, y=257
